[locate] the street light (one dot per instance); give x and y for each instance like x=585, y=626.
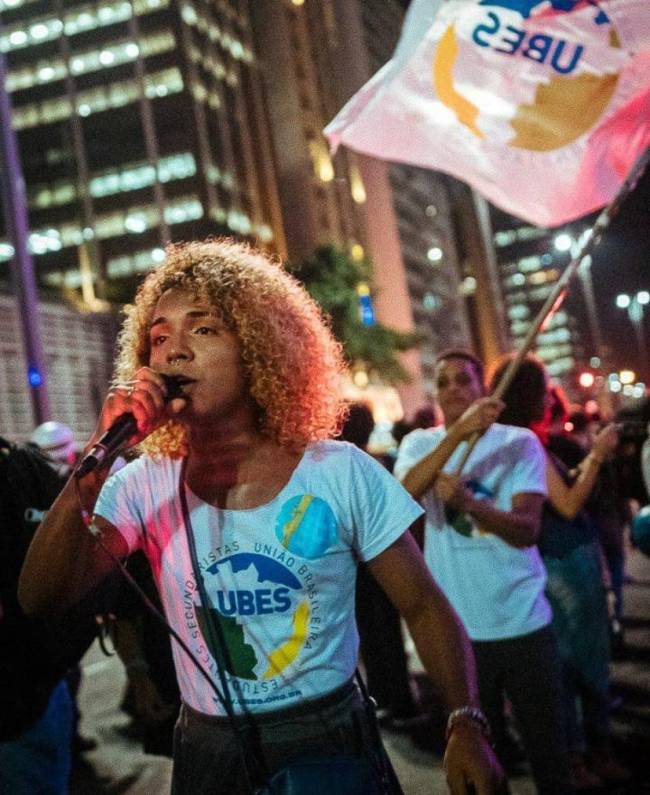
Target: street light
x=563, y=242
x=635, y=305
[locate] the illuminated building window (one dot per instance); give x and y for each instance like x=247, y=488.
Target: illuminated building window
x=7, y=5
x=134, y=220
x=6, y=251
x=264, y=232
x=322, y=163
x=139, y=262
x=560, y=366
x=507, y=237
x=540, y=293
x=557, y=335
x=357, y=188
x=516, y=280
x=504, y=238
x=519, y=328
x=95, y=100
x=430, y=302
x=527, y=264
x=239, y=222
x=516, y=297
x=518, y=312
x=79, y=20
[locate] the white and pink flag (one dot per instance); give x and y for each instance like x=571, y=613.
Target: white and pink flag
x=541, y=105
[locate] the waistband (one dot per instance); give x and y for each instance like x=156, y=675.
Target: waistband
x=304, y=708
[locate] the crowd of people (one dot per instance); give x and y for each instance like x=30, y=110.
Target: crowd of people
x=254, y=518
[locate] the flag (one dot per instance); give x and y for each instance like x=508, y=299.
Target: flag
x=541, y=105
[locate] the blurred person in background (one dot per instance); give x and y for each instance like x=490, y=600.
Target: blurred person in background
x=479, y=544
x=57, y=440
x=152, y=697
x=570, y=549
x=379, y=623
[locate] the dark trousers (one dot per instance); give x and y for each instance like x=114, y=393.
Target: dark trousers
x=527, y=669
x=208, y=759
x=382, y=647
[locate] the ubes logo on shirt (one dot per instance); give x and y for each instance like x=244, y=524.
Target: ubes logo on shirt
x=274, y=580
x=263, y=601
x=555, y=95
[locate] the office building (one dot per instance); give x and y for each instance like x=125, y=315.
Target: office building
x=314, y=56
x=530, y=261
x=139, y=122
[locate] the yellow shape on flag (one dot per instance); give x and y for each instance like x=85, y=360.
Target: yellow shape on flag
x=294, y=523
x=287, y=653
x=443, y=81
x=563, y=110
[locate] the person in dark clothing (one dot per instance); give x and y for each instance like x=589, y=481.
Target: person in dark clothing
x=35, y=704
x=569, y=546
x=380, y=631
x=143, y=644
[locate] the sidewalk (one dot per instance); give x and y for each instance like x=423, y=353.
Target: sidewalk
x=118, y=765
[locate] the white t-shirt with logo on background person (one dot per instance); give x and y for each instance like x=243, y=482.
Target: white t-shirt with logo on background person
x=496, y=589
x=280, y=577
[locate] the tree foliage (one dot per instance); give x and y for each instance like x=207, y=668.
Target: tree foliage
x=332, y=276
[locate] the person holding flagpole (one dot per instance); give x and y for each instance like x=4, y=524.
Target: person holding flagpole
x=481, y=527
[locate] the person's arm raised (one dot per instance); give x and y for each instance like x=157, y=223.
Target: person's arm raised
x=569, y=500
x=63, y=561
x=446, y=653
x=478, y=417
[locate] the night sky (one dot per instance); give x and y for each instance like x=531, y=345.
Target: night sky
x=622, y=265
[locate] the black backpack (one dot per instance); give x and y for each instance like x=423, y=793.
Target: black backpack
x=34, y=654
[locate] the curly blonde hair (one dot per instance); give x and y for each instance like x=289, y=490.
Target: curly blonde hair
x=292, y=364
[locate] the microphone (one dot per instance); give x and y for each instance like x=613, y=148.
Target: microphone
x=122, y=430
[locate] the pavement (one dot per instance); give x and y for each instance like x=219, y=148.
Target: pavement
x=118, y=765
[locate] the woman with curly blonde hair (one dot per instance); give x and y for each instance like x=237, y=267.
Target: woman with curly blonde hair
x=253, y=521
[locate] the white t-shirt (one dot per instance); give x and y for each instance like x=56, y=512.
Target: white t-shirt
x=497, y=589
x=280, y=577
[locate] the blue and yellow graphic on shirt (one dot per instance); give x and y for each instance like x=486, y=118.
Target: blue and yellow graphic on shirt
x=264, y=586
x=461, y=522
x=306, y=526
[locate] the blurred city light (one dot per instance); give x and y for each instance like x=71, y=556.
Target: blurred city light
x=586, y=380
x=434, y=254
x=623, y=301
x=563, y=242
x=627, y=376
x=34, y=377
x=643, y=297
x=360, y=378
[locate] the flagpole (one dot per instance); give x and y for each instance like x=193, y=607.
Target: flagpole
x=585, y=246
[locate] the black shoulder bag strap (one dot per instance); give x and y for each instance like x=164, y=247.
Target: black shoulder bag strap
x=217, y=643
